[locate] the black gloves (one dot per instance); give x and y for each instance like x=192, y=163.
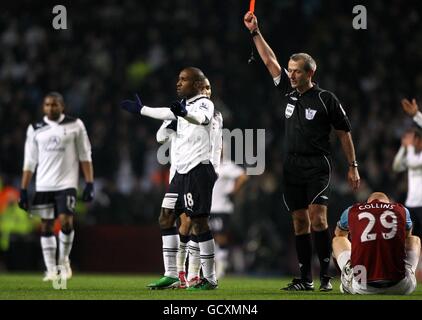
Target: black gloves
x=179, y=108
x=23, y=201
x=88, y=193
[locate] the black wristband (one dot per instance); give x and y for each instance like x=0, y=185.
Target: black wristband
x=354, y=164
x=254, y=32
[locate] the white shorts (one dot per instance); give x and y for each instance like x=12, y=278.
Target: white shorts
x=350, y=284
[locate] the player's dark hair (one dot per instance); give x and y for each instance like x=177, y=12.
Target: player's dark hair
x=197, y=74
x=56, y=95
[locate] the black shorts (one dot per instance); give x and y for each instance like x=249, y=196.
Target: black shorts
x=173, y=199
x=220, y=222
x=191, y=192
x=48, y=204
x=416, y=216
x=306, y=180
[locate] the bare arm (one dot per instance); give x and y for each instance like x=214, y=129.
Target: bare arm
x=265, y=52
x=240, y=181
x=412, y=109
x=349, y=151
x=88, y=171
x=26, y=179
x=340, y=233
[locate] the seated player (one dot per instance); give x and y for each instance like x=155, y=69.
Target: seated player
x=383, y=255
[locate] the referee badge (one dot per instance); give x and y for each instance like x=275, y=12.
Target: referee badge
x=289, y=110
x=310, y=113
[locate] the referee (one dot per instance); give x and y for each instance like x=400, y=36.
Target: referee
x=310, y=112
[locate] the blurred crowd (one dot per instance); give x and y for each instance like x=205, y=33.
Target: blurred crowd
x=113, y=49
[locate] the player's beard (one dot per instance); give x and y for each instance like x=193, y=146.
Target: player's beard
x=54, y=116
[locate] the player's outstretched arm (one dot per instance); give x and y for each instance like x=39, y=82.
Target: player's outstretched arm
x=132, y=106
x=136, y=107
x=265, y=52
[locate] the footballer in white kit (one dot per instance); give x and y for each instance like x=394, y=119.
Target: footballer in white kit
x=231, y=179
x=54, y=148
x=190, y=190
x=409, y=157
x=189, y=243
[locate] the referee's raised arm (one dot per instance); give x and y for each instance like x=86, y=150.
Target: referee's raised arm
x=265, y=52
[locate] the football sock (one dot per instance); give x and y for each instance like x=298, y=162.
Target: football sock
x=49, y=248
x=343, y=258
x=194, y=263
x=182, y=252
x=65, y=245
x=221, y=257
x=412, y=258
x=304, y=254
x=323, y=248
x=170, y=238
x=207, y=248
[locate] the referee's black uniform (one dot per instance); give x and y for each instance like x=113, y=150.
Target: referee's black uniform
x=308, y=120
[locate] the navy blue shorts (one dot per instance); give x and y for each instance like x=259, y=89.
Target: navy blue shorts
x=49, y=204
x=192, y=192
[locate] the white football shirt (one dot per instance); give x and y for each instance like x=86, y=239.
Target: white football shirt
x=193, y=142
x=216, y=137
x=407, y=158
x=224, y=185
x=167, y=135
x=54, y=150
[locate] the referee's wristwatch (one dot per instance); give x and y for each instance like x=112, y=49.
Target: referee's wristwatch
x=353, y=164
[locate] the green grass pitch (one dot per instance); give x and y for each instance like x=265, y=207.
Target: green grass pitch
x=129, y=287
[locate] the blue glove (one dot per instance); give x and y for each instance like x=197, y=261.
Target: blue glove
x=132, y=106
x=23, y=200
x=88, y=193
x=179, y=108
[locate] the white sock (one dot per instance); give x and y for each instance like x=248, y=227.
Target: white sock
x=65, y=246
x=170, y=248
x=221, y=257
x=182, y=253
x=194, y=260
x=412, y=257
x=343, y=258
x=49, y=248
x=207, y=249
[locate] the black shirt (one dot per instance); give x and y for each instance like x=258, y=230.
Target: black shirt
x=309, y=117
